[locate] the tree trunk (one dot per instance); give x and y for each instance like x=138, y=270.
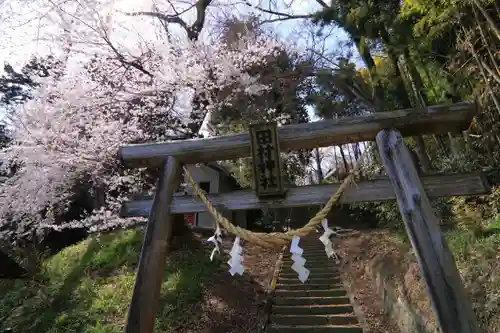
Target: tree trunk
x=422, y=153
x=487, y=142
x=415, y=78
x=453, y=145
x=421, y=98
x=488, y=18
x=376, y=157
x=364, y=52
x=439, y=144
x=346, y=166
x=468, y=143
x=485, y=77
x=351, y=159
x=402, y=94
x=319, y=172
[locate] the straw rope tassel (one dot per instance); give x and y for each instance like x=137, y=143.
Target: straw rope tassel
x=273, y=239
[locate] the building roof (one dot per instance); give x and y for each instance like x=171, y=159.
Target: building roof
x=219, y=168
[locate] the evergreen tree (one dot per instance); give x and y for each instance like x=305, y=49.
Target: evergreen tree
x=17, y=87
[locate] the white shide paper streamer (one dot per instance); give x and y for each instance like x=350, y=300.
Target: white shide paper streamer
x=236, y=258
x=216, y=239
x=298, y=260
x=325, y=239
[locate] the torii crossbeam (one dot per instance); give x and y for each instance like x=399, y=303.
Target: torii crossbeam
x=438, y=267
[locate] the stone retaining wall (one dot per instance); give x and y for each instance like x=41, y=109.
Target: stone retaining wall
x=397, y=307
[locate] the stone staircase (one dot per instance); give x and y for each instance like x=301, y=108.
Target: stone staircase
x=320, y=305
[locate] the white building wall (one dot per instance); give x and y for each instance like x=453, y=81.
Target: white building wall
x=218, y=184
x=205, y=174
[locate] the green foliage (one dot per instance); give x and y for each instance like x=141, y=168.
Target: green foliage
x=87, y=288
x=268, y=222
x=336, y=93
x=456, y=163
x=388, y=214
x=477, y=258
x=17, y=87
x=421, y=52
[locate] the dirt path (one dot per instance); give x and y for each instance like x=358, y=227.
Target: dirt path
x=235, y=304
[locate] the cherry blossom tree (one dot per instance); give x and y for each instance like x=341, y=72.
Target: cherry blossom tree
x=124, y=82
x=69, y=133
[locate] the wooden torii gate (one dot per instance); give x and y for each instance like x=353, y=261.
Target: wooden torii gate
x=452, y=307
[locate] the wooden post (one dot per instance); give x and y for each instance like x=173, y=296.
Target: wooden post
x=143, y=308
x=445, y=288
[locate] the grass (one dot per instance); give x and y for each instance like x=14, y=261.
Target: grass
x=466, y=244
x=87, y=288
x=475, y=244
x=477, y=254
x=478, y=259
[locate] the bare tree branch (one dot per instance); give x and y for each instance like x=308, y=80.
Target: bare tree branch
x=107, y=41
x=281, y=19
x=322, y=3
x=180, y=13
x=201, y=8
x=283, y=16
x=122, y=58
x=162, y=17
x=193, y=30
x=322, y=56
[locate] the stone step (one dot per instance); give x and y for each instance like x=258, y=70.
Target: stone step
x=312, y=257
x=311, y=280
x=314, y=329
x=307, y=251
x=309, y=260
x=311, y=241
x=311, y=309
x=317, y=245
x=313, y=269
x=311, y=293
x=313, y=263
x=316, y=269
x=311, y=320
x=336, y=300
x=324, y=274
x=306, y=286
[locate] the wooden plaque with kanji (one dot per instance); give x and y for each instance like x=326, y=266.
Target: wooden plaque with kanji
x=268, y=179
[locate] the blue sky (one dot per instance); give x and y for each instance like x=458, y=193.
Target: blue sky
x=23, y=33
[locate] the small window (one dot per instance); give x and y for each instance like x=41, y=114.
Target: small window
x=205, y=186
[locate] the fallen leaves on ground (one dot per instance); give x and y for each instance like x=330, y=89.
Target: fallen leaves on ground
x=355, y=256
x=234, y=304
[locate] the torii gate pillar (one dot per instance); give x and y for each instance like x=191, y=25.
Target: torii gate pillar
x=445, y=288
x=145, y=297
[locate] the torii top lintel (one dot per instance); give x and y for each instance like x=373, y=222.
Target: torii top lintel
x=437, y=119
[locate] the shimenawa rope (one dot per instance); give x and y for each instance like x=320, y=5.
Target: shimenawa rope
x=273, y=239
